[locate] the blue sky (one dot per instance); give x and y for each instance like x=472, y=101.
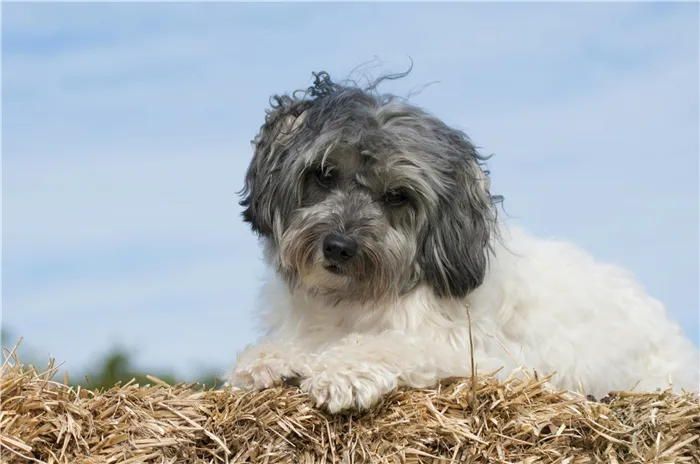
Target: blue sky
x=126, y=132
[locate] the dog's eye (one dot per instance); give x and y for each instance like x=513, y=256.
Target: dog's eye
x=325, y=177
x=395, y=198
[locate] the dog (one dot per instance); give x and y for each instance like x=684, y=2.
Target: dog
x=381, y=234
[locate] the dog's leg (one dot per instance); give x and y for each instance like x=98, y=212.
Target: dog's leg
x=268, y=364
x=358, y=371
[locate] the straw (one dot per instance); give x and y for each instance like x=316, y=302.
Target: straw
x=516, y=421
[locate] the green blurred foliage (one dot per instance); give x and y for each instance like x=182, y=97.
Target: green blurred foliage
x=115, y=367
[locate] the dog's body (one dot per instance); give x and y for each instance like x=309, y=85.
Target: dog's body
x=381, y=233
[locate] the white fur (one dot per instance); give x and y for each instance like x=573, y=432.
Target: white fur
x=544, y=305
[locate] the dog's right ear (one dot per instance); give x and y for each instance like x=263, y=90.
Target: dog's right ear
x=264, y=192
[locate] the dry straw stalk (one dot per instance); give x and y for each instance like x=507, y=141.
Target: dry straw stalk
x=43, y=420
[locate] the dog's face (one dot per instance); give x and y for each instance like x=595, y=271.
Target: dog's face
x=362, y=197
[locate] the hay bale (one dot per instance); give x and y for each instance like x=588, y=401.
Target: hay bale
x=515, y=421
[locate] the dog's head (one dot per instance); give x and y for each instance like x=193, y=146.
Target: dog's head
x=363, y=196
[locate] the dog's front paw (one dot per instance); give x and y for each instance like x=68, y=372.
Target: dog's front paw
x=262, y=368
x=341, y=390
x=261, y=374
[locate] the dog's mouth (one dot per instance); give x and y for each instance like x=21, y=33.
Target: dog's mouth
x=334, y=269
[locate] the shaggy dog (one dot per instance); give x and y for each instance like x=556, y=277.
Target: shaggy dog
x=378, y=223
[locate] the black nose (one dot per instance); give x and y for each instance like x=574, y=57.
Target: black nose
x=338, y=248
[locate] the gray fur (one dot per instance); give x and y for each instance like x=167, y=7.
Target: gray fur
x=367, y=144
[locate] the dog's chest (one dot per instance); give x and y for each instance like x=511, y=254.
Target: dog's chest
x=416, y=314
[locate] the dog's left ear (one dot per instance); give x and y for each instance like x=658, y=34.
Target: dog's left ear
x=455, y=251
x=266, y=179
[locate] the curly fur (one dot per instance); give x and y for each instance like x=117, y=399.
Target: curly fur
x=412, y=194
